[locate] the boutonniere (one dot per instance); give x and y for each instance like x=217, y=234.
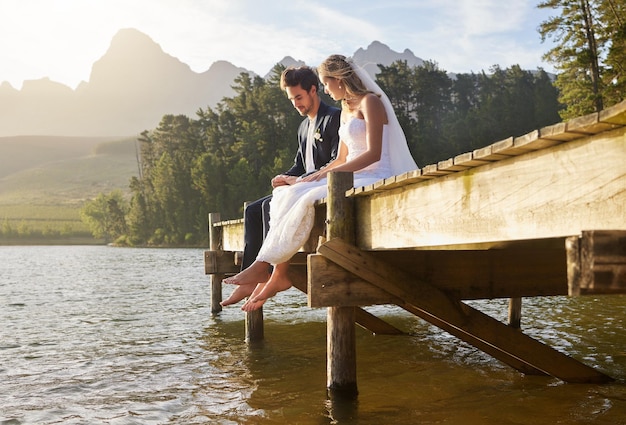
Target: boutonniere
x=318, y=136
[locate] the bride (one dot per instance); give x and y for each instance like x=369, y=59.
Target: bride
x=372, y=145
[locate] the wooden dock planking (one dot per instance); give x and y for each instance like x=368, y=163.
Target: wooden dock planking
x=552, y=192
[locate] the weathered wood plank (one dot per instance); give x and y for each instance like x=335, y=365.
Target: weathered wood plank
x=434, y=170
x=459, y=315
x=448, y=166
x=559, y=132
x=588, y=124
x=508, y=147
x=468, y=160
x=487, y=154
x=534, y=141
x=552, y=192
x=615, y=114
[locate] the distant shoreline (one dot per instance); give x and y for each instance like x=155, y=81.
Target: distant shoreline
x=50, y=241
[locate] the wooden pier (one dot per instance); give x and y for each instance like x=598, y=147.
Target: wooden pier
x=543, y=214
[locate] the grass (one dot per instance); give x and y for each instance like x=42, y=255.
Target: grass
x=59, y=218
x=40, y=200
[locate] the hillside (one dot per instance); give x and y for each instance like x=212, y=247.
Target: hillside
x=55, y=170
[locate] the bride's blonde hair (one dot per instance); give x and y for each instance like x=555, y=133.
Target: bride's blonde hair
x=338, y=67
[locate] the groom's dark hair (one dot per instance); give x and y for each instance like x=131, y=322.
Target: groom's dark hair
x=302, y=76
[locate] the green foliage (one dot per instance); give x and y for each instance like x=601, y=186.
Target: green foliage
x=224, y=157
x=106, y=216
x=443, y=117
x=190, y=167
x=590, y=52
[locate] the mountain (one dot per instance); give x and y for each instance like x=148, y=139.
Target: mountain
x=379, y=53
x=132, y=86
x=59, y=146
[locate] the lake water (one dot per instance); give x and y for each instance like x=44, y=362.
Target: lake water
x=101, y=335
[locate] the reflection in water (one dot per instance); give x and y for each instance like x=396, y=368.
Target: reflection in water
x=427, y=376
x=97, y=335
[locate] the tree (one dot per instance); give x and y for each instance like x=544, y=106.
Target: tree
x=589, y=52
x=614, y=31
x=106, y=216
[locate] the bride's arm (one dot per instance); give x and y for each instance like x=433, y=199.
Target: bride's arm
x=341, y=159
x=375, y=118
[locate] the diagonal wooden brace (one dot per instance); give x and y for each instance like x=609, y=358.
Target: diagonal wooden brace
x=486, y=333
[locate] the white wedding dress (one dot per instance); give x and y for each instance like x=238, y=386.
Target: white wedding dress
x=292, y=209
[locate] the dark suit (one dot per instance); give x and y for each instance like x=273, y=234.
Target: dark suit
x=256, y=215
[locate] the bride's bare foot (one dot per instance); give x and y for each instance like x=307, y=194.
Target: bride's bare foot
x=278, y=282
x=251, y=305
x=240, y=292
x=255, y=273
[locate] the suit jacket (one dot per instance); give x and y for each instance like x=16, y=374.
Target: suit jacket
x=326, y=147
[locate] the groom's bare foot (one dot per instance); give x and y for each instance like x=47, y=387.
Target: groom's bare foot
x=240, y=292
x=277, y=283
x=255, y=273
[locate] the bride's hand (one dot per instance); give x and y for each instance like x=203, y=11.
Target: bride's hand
x=314, y=177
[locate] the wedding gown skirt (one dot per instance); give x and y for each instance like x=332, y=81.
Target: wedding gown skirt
x=292, y=211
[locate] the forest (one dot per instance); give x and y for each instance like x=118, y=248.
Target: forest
x=222, y=157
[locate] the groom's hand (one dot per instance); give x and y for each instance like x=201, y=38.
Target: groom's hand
x=282, y=180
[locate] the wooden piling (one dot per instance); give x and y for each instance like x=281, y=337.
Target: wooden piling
x=254, y=326
x=254, y=319
x=341, y=334
x=215, y=244
x=515, y=312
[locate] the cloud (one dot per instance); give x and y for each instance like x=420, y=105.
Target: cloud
x=63, y=38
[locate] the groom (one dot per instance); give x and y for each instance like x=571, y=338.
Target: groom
x=318, y=141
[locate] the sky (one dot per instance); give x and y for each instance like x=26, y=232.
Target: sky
x=61, y=39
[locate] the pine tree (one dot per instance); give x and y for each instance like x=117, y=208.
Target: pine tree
x=589, y=53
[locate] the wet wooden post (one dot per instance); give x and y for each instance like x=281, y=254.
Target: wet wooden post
x=341, y=333
x=254, y=319
x=515, y=313
x=215, y=244
x=254, y=326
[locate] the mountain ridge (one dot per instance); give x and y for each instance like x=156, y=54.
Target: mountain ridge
x=132, y=86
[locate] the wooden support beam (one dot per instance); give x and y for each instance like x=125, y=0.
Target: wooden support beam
x=485, y=347
x=374, y=324
x=517, y=269
x=298, y=276
x=335, y=286
x=221, y=262
x=459, y=316
x=597, y=262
